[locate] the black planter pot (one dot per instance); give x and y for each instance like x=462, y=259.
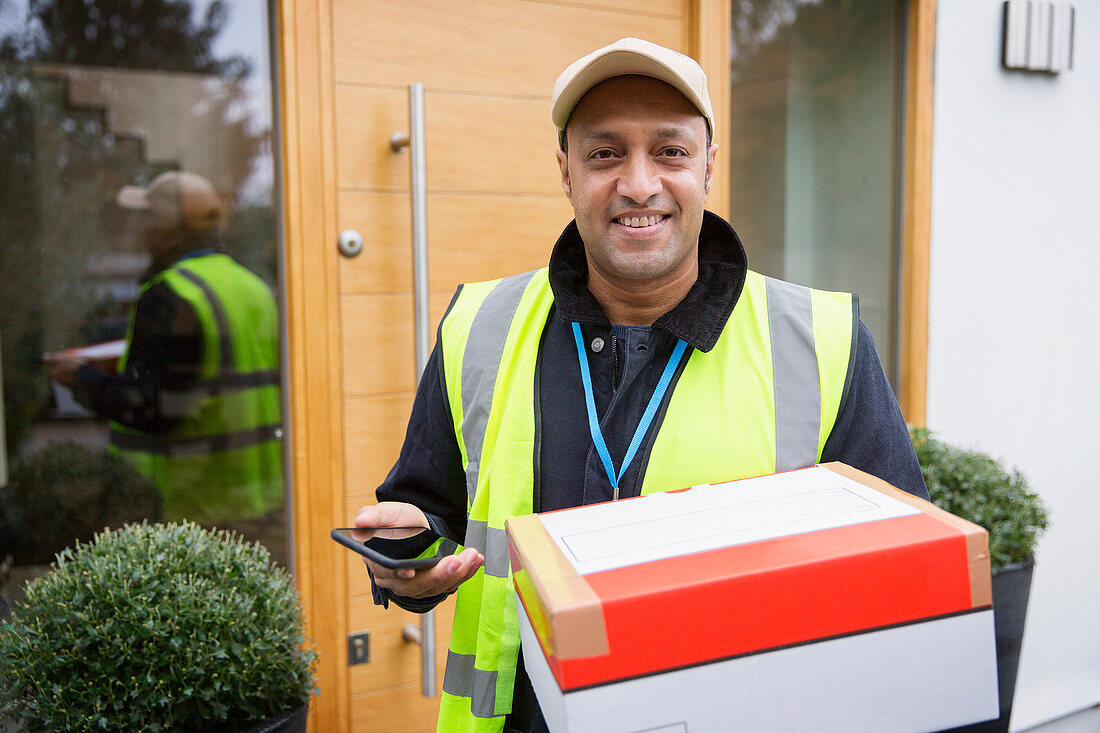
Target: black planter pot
x=292, y=721
x=1011, y=589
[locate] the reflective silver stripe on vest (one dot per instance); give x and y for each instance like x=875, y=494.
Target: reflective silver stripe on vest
x=225, y=338
x=180, y=403
x=463, y=679
x=197, y=445
x=794, y=374
x=480, y=362
x=493, y=544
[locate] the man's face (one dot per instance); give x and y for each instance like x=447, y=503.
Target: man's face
x=637, y=173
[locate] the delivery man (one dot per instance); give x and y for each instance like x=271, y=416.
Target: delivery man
x=195, y=404
x=646, y=357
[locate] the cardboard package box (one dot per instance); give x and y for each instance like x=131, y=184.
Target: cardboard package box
x=811, y=600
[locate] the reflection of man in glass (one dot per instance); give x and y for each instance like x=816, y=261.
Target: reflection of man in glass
x=195, y=405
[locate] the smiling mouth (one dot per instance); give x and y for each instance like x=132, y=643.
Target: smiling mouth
x=637, y=222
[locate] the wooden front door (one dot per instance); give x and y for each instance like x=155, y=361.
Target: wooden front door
x=495, y=207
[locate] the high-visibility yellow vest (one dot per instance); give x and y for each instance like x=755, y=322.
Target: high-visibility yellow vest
x=764, y=399
x=223, y=459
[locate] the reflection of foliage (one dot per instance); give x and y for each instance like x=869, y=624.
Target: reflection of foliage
x=58, y=166
x=65, y=493
x=158, y=35
x=756, y=24
x=763, y=30
x=20, y=318
x=24, y=383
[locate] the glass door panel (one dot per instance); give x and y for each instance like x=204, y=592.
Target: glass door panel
x=138, y=252
x=814, y=147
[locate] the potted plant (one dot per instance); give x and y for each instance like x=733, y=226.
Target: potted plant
x=160, y=628
x=976, y=487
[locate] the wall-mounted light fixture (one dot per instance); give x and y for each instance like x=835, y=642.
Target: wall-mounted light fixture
x=1038, y=36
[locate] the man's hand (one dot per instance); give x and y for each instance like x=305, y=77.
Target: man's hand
x=444, y=577
x=61, y=367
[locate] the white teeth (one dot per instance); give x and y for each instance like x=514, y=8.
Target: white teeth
x=638, y=221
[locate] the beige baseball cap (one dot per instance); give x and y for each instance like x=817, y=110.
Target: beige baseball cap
x=629, y=56
x=184, y=199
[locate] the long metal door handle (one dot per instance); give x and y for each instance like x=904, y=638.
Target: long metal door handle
x=415, y=142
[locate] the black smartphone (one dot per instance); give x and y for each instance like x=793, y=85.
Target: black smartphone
x=396, y=547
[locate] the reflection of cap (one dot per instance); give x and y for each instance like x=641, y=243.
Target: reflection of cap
x=630, y=56
x=184, y=199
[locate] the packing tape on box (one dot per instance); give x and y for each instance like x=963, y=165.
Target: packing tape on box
x=577, y=628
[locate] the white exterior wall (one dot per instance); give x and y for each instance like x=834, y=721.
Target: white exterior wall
x=1014, y=347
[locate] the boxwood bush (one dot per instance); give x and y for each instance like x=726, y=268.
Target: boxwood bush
x=975, y=486
x=157, y=628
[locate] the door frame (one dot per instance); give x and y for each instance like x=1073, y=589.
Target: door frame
x=916, y=203
x=308, y=175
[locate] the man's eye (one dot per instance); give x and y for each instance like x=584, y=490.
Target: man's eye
x=602, y=154
x=674, y=152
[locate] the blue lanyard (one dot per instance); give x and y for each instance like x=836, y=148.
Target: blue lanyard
x=647, y=416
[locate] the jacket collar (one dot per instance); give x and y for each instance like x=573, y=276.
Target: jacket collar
x=698, y=319
x=156, y=268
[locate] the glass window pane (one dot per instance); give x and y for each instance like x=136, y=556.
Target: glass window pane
x=814, y=147
x=138, y=250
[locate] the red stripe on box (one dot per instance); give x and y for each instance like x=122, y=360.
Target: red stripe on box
x=773, y=593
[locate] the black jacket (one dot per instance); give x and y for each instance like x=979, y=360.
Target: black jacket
x=164, y=354
x=869, y=432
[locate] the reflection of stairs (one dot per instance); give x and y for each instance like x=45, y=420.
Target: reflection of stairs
x=179, y=119
x=94, y=147
x=89, y=120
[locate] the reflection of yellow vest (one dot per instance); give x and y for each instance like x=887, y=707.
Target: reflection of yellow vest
x=223, y=459
x=763, y=399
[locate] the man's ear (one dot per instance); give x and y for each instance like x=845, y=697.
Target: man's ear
x=712, y=152
x=563, y=166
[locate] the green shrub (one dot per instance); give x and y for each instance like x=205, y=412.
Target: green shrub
x=65, y=493
x=976, y=487
x=158, y=628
